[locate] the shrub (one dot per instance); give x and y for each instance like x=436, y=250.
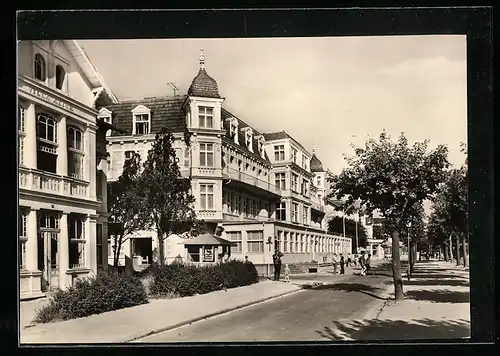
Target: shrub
x=105, y=292
x=182, y=280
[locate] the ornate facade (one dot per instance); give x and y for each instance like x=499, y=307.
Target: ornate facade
x=260, y=187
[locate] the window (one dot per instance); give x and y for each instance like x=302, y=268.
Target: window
x=246, y=204
x=39, y=67
x=235, y=237
x=305, y=214
x=279, y=180
x=285, y=242
x=232, y=129
x=294, y=155
x=99, y=184
x=295, y=212
x=47, y=143
x=141, y=124
x=76, y=234
x=279, y=153
x=75, y=152
x=255, y=241
x=281, y=211
x=305, y=187
x=318, y=181
x=304, y=162
x=128, y=155
x=206, y=116
x=23, y=236
x=193, y=253
x=237, y=204
x=206, y=154
x=206, y=196
x=60, y=77
x=20, y=117
x=253, y=207
x=248, y=139
x=295, y=182
x=99, y=257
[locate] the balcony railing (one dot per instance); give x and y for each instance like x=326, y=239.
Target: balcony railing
x=250, y=180
x=209, y=214
x=205, y=171
x=52, y=183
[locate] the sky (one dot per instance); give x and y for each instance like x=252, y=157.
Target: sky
x=326, y=92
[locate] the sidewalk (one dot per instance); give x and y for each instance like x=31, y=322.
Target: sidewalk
x=436, y=306
x=159, y=315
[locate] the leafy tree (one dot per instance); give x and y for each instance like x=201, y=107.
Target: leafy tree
x=438, y=234
x=125, y=205
x=167, y=194
x=415, y=230
x=450, y=209
x=336, y=227
x=391, y=177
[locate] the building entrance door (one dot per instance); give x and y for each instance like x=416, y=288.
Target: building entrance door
x=48, y=259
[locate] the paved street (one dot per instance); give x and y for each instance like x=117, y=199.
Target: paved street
x=301, y=316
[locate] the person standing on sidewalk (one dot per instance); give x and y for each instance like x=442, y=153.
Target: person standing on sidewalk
x=368, y=264
x=342, y=267
x=277, y=264
x=362, y=265
x=287, y=273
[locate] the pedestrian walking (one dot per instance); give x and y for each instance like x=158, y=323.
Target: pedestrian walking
x=287, y=273
x=349, y=260
x=362, y=265
x=277, y=264
x=368, y=262
x=342, y=268
x=334, y=261
x=355, y=260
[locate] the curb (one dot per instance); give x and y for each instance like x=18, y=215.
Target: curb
x=374, y=312
x=206, y=316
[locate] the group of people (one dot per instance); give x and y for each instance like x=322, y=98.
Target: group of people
x=338, y=260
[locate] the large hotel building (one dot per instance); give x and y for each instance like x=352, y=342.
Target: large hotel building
x=62, y=166
x=266, y=190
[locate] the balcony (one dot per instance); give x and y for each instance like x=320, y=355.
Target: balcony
x=205, y=172
x=47, y=182
x=316, y=206
x=208, y=215
x=233, y=174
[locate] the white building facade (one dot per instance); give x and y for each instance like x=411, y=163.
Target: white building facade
x=62, y=169
x=259, y=187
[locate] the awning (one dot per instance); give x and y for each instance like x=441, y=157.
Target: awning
x=207, y=239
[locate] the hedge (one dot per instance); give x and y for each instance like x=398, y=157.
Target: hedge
x=106, y=292
x=187, y=280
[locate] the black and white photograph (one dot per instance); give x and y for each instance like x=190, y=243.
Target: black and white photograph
x=272, y=189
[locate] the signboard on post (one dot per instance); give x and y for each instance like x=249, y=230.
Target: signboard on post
x=208, y=254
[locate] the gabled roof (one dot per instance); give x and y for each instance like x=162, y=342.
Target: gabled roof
x=241, y=136
x=89, y=70
x=165, y=112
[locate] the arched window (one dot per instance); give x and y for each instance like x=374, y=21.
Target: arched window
x=60, y=77
x=39, y=67
x=75, y=138
x=47, y=128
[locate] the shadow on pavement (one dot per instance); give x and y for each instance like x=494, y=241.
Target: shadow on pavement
x=437, y=282
x=396, y=329
x=439, y=296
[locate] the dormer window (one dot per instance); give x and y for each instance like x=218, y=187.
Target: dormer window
x=106, y=116
x=141, y=120
x=260, y=144
x=60, y=77
x=206, y=117
x=248, y=138
x=233, y=129
x=304, y=162
x=40, y=67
